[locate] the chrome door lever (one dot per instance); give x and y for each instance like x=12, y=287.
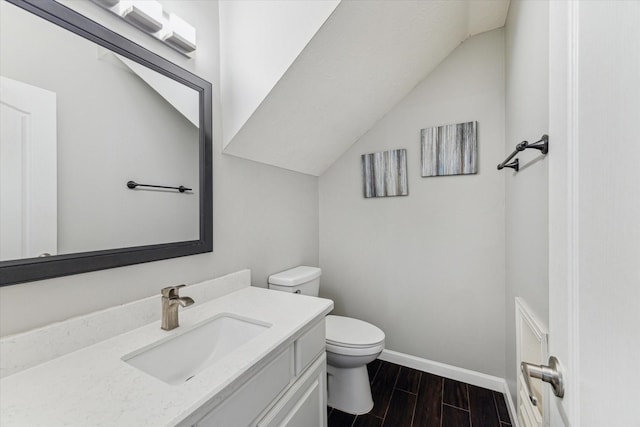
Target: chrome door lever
x=549, y=374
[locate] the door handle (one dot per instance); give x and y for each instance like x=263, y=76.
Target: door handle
x=548, y=373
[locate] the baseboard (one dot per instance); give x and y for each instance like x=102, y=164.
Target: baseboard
x=455, y=373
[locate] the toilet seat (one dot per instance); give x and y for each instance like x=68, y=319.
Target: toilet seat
x=352, y=337
x=347, y=351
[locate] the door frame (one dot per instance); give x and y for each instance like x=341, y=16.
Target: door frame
x=564, y=206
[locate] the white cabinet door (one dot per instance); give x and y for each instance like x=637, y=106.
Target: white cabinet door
x=305, y=404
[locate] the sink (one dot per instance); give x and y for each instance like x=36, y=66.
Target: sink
x=180, y=357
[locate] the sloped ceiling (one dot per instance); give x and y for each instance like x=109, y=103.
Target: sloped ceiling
x=363, y=60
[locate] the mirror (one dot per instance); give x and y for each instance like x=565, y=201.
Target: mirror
x=85, y=114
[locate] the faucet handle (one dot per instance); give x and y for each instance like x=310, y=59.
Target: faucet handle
x=171, y=291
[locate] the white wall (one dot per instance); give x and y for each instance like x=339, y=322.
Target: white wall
x=259, y=41
x=428, y=268
x=265, y=218
x=527, y=118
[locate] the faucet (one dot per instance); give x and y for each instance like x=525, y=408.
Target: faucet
x=170, y=301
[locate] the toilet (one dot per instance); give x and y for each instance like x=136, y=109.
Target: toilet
x=350, y=345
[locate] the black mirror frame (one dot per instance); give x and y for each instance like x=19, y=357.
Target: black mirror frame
x=32, y=269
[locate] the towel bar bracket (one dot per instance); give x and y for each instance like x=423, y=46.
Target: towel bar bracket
x=515, y=165
x=542, y=144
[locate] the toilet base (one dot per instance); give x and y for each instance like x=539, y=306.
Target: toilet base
x=349, y=390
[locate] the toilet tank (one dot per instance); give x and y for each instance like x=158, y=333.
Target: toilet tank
x=300, y=280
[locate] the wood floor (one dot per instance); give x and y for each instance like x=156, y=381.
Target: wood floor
x=404, y=397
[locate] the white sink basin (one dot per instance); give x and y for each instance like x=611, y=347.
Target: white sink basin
x=180, y=357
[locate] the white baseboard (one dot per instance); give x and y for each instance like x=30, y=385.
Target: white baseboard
x=459, y=374
x=455, y=373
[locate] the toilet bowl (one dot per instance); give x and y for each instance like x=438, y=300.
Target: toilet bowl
x=350, y=345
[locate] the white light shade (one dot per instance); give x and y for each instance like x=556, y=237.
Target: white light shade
x=181, y=35
x=146, y=14
x=107, y=3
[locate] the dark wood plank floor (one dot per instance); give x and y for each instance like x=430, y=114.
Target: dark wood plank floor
x=405, y=397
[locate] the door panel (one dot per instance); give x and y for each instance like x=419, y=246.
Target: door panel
x=594, y=210
x=28, y=171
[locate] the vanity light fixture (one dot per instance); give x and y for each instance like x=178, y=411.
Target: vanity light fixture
x=181, y=35
x=146, y=14
x=149, y=16
x=107, y=3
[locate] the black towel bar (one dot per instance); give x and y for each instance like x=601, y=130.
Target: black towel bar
x=542, y=145
x=133, y=184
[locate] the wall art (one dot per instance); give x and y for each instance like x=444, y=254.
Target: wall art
x=385, y=173
x=449, y=150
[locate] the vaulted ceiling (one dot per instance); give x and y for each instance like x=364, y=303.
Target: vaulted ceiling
x=362, y=60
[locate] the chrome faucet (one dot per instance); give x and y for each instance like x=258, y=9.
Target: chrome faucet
x=170, y=302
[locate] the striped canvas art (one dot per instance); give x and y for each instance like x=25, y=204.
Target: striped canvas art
x=385, y=173
x=450, y=150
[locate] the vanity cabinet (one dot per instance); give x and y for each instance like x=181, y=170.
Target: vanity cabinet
x=290, y=391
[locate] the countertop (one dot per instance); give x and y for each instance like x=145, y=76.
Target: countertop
x=95, y=387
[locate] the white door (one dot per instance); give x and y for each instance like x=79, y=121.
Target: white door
x=594, y=211
x=28, y=171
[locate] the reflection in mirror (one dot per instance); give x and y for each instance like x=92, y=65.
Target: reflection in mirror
x=83, y=112
x=94, y=121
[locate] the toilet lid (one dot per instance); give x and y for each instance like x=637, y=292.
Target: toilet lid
x=354, y=333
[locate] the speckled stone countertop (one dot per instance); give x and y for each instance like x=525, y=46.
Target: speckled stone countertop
x=93, y=386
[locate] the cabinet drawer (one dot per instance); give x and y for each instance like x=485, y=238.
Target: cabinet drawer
x=308, y=346
x=243, y=406
x=304, y=404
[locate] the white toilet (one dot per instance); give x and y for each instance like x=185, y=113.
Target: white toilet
x=351, y=344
